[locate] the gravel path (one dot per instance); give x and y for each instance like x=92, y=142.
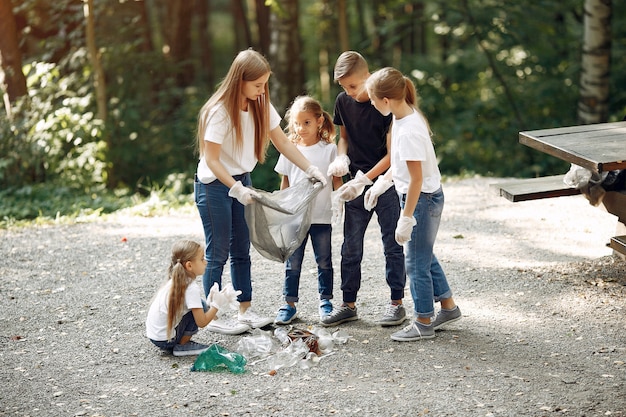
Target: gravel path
x=543, y=332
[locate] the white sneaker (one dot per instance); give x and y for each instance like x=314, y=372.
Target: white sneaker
x=224, y=325
x=253, y=320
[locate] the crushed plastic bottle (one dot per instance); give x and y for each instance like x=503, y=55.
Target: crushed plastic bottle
x=289, y=356
x=259, y=345
x=282, y=334
x=310, y=360
x=218, y=358
x=340, y=337
x=324, y=339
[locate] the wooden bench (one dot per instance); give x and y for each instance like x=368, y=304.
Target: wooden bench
x=618, y=244
x=534, y=188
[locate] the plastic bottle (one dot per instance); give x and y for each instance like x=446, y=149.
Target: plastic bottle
x=282, y=335
x=260, y=344
x=217, y=358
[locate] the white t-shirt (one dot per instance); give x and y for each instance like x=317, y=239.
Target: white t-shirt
x=321, y=155
x=219, y=130
x=410, y=141
x=156, y=322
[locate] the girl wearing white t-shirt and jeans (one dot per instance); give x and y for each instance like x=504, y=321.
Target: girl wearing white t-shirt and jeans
x=312, y=130
x=234, y=129
x=415, y=174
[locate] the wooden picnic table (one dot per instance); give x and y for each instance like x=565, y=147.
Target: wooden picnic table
x=597, y=147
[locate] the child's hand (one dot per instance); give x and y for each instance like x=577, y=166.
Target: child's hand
x=404, y=229
x=216, y=299
x=371, y=196
x=339, y=167
x=354, y=188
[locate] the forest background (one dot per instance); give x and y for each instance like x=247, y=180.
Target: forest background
x=101, y=97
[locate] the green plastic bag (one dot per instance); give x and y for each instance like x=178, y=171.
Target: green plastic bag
x=217, y=358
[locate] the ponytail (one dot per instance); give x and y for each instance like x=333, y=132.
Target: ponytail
x=182, y=252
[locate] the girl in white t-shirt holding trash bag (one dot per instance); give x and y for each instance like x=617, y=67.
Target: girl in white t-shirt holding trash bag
x=234, y=129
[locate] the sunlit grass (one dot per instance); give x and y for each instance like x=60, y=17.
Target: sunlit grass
x=46, y=206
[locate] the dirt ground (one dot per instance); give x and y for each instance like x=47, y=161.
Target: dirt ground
x=543, y=330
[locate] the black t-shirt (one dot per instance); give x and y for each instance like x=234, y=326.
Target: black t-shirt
x=367, y=131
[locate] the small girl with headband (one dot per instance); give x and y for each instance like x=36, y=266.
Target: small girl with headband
x=178, y=309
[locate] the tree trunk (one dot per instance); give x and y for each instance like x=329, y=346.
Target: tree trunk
x=326, y=32
x=12, y=80
x=263, y=24
x=207, y=76
x=593, y=104
x=146, y=30
x=285, y=50
x=94, y=56
x=342, y=18
x=179, y=39
x=243, y=37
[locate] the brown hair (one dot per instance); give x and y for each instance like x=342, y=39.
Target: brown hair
x=392, y=84
x=248, y=65
x=182, y=252
x=308, y=104
x=349, y=63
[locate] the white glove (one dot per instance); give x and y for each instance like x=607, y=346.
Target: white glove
x=216, y=299
x=231, y=295
x=337, y=207
x=245, y=195
x=314, y=172
x=404, y=229
x=339, y=167
x=371, y=196
x=354, y=188
x=223, y=299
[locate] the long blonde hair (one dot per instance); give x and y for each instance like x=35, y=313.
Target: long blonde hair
x=248, y=65
x=182, y=252
x=390, y=83
x=308, y=104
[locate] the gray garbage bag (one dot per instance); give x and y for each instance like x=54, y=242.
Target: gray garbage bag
x=279, y=221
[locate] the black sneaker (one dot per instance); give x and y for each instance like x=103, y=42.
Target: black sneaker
x=340, y=315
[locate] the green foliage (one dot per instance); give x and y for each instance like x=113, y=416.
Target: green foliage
x=485, y=70
x=54, y=202
x=53, y=135
x=151, y=125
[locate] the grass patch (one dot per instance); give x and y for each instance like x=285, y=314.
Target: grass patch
x=44, y=204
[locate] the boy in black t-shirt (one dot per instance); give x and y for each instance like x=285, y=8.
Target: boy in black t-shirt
x=363, y=146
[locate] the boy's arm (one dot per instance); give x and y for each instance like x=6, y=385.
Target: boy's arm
x=342, y=142
x=337, y=182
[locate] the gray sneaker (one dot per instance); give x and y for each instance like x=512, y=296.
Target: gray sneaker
x=340, y=315
x=414, y=332
x=446, y=316
x=394, y=315
x=190, y=348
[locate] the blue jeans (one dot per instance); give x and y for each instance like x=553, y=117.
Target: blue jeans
x=225, y=234
x=356, y=221
x=186, y=327
x=427, y=280
x=320, y=239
